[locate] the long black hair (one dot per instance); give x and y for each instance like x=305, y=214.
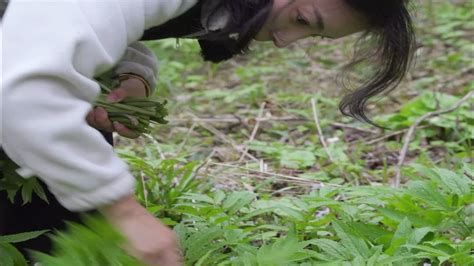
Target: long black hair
x=388, y=43
x=245, y=19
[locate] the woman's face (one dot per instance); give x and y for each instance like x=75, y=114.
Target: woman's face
x=291, y=20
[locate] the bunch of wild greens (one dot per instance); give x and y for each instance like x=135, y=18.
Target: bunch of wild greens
x=135, y=113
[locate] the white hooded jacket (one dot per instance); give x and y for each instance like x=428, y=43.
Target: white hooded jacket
x=51, y=50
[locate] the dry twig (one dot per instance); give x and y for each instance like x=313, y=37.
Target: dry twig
x=320, y=131
x=225, y=139
x=145, y=191
x=234, y=120
x=384, y=137
x=281, y=176
x=411, y=131
x=188, y=134
x=157, y=146
x=254, y=131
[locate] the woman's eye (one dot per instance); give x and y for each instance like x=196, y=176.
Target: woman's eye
x=301, y=20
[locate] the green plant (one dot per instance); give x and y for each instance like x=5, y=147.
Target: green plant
x=11, y=182
x=163, y=184
x=9, y=255
x=95, y=243
x=428, y=219
x=134, y=113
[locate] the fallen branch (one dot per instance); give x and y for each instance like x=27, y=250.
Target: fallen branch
x=157, y=146
x=234, y=120
x=225, y=139
x=254, y=131
x=188, y=134
x=281, y=176
x=384, y=137
x=411, y=131
x=320, y=131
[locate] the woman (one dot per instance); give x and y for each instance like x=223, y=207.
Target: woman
x=53, y=50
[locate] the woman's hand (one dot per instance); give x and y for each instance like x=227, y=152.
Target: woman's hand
x=98, y=117
x=148, y=240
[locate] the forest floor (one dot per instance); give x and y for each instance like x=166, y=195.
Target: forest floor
x=265, y=134
x=253, y=116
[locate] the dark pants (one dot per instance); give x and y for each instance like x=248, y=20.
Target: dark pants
x=37, y=215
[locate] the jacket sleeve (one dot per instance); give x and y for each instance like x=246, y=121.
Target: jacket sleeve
x=51, y=52
x=140, y=60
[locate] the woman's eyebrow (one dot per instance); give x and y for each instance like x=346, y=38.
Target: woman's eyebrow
x=319, y=18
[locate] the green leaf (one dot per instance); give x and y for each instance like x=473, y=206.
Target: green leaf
x=281, y=252
x=263, y=147
x=38, y=189
x=219, y=196
x=400, y=236
x=429, y=194
x=290, y=212
x=458, y=184
x=433, y=251
x=403, y=259
x=187, y=176
x=198, y=197
x=468, y=168
x=200, y=242
x=354, y=244
x=21, y=237
x=426, y=171
x=418, y=234
x=403, y=230
x=372, y=261
x=371, y=231
x=235, y=201
x=257, y=212
x=331, y=248
x=298, y=159
x=10, y=256
x=399, y=216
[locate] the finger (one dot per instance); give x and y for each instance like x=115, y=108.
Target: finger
x=102, y=119
x=171, y=259
x=130, y=87
x=134, y=87
x=117, y=95
x=90, y=119
x=172, y=256
x=124, y=131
